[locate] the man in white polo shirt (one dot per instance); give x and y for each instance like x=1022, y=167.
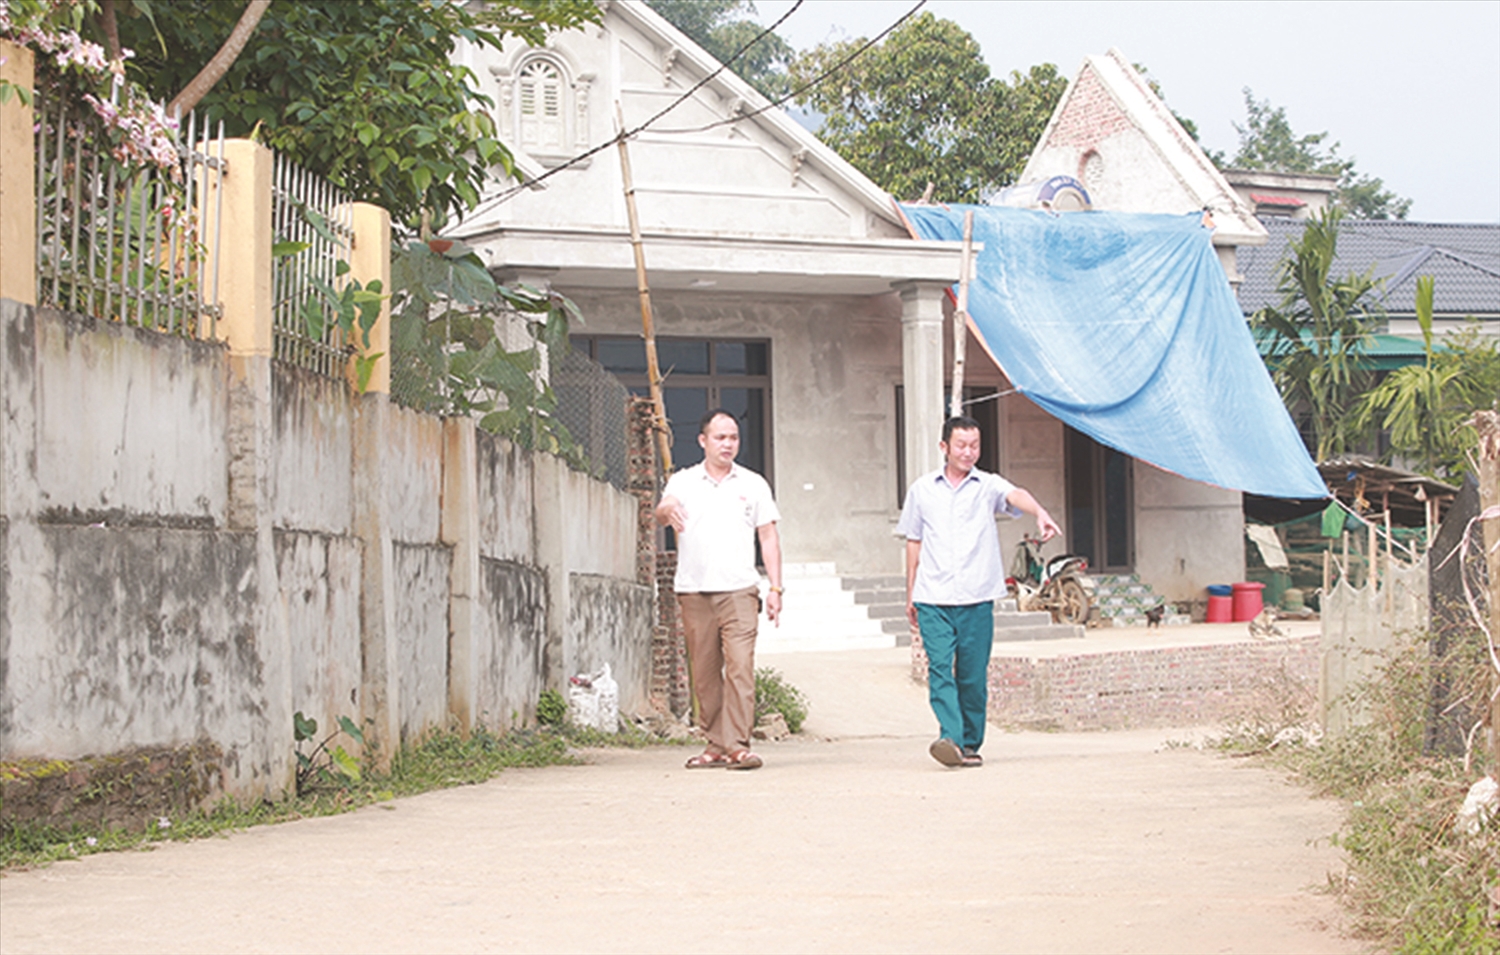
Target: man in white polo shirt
x=953, y=575
x=718, y=509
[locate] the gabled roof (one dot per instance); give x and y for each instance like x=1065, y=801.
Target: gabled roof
x=1463, y=258
x=727, y=195
x=728, y=86
x=1112, y=132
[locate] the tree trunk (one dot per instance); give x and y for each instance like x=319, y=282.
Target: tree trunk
x=199, y=86
x=111, y=28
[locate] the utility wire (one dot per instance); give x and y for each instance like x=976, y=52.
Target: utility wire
x=805, y=86
x=627, y=134
x=516, y=190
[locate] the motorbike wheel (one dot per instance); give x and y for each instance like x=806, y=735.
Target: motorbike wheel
x=1073, y=603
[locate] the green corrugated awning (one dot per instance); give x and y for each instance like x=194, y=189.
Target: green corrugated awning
x=1383, y=353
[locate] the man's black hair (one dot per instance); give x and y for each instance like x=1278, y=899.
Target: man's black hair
x=711, y=414
x=958, y=421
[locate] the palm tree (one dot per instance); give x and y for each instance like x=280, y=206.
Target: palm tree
x=1318, y=334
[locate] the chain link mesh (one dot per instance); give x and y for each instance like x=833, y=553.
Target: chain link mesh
x=591, y=404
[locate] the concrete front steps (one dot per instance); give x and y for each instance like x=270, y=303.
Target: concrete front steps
x=1121, y=600
x=826, y=611
x=818, y=613
x=885, y=596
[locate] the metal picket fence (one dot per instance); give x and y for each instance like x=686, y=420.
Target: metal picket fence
x=126, y=245
x=313, y=226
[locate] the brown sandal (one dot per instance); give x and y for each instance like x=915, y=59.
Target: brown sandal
x=707, y=760
x=744, y=759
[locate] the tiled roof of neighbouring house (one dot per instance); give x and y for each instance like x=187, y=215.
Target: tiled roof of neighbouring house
x=1463, y=258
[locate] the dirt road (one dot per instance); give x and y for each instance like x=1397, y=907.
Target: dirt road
x=854, y=840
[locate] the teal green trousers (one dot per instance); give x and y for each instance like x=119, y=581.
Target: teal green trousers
x=957, y=640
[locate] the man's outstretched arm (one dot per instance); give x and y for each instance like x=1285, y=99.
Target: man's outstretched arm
x=1025, y=502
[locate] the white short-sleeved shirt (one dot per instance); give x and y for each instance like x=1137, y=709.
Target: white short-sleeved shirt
x=960, y=562
x=716, y=550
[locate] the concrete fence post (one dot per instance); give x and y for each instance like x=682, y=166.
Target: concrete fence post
x=245, y=287
x=370, y=260
x=460, y=530
x=17, y=180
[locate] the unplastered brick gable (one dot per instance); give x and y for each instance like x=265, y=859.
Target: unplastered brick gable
x=1089, y=115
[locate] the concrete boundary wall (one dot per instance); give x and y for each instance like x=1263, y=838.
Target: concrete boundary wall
x=195, y=543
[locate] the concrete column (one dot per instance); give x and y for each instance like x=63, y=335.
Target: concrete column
x=460, y=530
x=922, y=373
x=17, y=181
x=370, y=261
x=548, y=495
x=380, y=684
x=246, y=294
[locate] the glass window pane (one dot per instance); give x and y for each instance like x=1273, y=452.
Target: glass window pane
x=622, y=355
x=740, y=358
x=748, y=405
x=755, y=359
x=684, y=407
x=682, y=358
x=729, y=358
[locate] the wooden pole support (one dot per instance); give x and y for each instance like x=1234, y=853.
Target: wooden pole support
x=648, y=323
x=961, y=319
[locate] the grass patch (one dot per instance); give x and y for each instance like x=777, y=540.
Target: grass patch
x=443, y=760
x=1413, y=884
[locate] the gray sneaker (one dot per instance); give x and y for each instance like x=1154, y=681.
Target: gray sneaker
x=946, y=752
x=972, y=757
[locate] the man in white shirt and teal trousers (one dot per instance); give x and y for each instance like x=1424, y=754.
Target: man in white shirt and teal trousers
x=954, y=573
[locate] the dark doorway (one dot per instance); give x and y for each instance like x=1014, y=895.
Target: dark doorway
x=1101, y=504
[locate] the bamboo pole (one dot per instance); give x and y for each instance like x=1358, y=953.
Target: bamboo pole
x=1487, y=423
x=648, y=323
x=961, y=320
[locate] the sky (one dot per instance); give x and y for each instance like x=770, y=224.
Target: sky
x=1411, y=90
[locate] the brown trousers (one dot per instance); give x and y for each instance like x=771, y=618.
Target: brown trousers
x=720, y=633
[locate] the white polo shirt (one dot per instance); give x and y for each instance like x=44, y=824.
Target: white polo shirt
x=716, y=549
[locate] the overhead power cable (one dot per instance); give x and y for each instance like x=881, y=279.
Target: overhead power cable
x=805, y=86
x=516, y=190
x=493, y=201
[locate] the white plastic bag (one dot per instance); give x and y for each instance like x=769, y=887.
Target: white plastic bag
x=594, y=701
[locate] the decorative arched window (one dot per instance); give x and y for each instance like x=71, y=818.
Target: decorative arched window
x=540, y=95
x=542, y=110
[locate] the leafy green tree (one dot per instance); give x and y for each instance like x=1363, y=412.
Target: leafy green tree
x=1428, y=407
x=365, y=94
x=1190, y=127
x=722, y=27
x=922, y=107
x=1268, y=142
x=1318, y=334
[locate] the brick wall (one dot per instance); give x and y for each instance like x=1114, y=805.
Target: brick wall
x=1167, y=686
x=1091, y=116
x=669, y=681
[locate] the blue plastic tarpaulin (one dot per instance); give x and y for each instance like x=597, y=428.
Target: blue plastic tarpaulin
x=1123, y=326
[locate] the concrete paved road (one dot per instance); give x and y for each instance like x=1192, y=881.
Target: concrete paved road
x=856, y=841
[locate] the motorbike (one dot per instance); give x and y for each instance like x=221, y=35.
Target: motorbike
x=1059, y=585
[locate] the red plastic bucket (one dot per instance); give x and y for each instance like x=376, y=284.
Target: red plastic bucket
x=1218, y=609
x=1247, y=601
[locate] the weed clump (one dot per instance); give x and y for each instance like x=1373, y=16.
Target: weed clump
x=773, y=694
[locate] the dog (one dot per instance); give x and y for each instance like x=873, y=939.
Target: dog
x=1263, y=627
